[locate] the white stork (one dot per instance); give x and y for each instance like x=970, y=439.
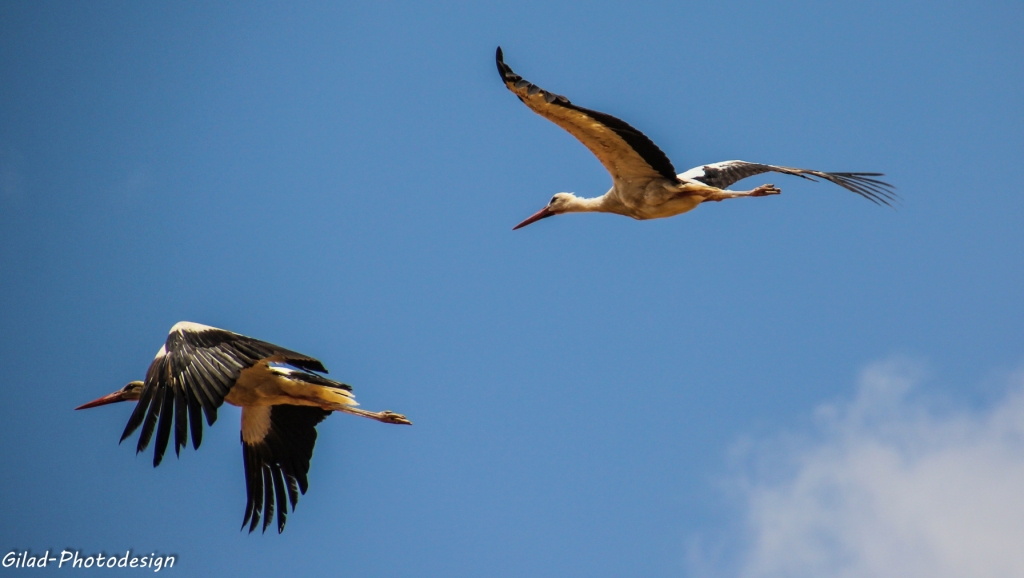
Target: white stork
x=199, y=368
x=644, y=182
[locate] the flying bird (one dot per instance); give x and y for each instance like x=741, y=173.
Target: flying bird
x=644, y=182
x=282, y=395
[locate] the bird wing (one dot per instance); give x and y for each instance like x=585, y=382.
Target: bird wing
x=724, y=174
x=277, y=462
x=191, y=375
x=623, y=150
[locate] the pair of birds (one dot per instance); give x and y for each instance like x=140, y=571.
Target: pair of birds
x=282, y=393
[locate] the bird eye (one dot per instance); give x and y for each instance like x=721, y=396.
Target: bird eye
x=553, y=199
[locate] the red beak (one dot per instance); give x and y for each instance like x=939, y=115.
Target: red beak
x=541, y=214
x=109, y=398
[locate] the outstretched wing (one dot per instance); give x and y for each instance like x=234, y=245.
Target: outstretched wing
x=191, y=375
x=724, y=174
x=623, y=150
x=277, y=444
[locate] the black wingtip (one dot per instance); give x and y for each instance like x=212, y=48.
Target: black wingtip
x=504, y=71
x=865, y=185
x=128, y=430
x=499, y=59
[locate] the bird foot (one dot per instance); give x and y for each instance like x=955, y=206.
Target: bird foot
x=764, y=191
x=392, y=417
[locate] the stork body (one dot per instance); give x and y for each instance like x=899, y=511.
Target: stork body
x=644, y=182
x=282, y=401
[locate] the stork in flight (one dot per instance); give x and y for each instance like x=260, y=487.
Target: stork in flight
x=199, y=368
x=644, y=182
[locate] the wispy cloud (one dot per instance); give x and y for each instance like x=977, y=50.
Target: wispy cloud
x=887, y=486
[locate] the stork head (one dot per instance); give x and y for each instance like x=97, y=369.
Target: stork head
x=130, y=392
x=560, y=203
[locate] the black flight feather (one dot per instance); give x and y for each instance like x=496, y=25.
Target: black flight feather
x=192, y=375
x=277, y=466
x=636, y=140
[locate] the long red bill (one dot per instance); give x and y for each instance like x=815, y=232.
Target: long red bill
x=541, y=214
x=109, y=398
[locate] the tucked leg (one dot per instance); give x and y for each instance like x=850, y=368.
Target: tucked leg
x=381, y=416
x=762, y=191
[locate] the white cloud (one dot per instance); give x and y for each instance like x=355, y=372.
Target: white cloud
x=889, y=486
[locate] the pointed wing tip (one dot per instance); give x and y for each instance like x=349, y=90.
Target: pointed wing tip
x=503, y=69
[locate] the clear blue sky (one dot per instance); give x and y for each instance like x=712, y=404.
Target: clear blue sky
x=342, y=180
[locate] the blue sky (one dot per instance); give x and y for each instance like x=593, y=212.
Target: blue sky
x=342, y=180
